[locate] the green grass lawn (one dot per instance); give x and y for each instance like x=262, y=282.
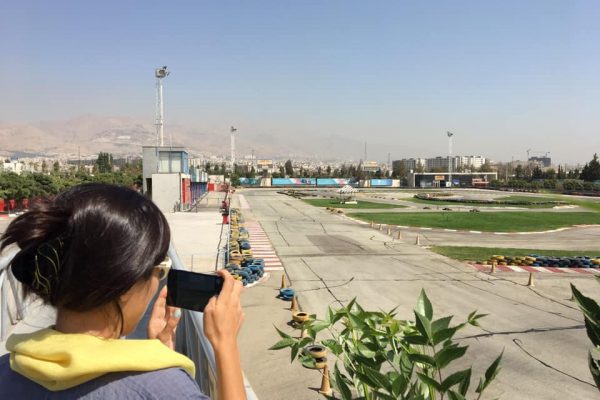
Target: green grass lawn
x=589, y=204
x=509, y=221
x=529, y=198
x=593, y=205
x=484, y=253
x=361, y=204
x=434, y=203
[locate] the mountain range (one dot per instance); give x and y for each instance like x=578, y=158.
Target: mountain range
x=124, y=136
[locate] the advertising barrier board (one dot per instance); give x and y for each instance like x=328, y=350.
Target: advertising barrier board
x=294, y=182
x=381, y=182
x=338, y=182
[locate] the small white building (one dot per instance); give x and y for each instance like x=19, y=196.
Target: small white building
x=166, y=178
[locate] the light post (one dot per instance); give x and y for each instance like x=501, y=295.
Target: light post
x=233, y=130
x=160, y=74
x=450, y=134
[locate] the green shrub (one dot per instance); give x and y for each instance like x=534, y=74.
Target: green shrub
x=591, y=313
x=380, y=357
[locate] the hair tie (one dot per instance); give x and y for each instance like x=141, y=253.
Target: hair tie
x=48, y=258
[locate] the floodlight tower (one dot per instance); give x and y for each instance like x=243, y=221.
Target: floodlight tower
x=450, y=134
x=232, y=132
x=160, y=74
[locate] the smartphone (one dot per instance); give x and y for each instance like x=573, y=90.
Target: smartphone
x=191, y=290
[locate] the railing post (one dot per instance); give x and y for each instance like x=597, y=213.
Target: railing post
x=4, y=317
x=18, y=299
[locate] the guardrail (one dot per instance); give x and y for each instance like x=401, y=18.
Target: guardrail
x=12, y=306
x=190, y=339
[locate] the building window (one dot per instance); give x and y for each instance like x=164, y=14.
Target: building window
x=169, y=162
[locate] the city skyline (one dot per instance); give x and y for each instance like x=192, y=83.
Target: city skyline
x=503, y=77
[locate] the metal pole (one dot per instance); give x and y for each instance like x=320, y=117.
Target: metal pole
x=160, y=73
x=160, y=111
x=233, y=130
x=4, y=317
x=450, y=134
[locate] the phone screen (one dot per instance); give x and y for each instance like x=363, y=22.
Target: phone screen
x=191, y=290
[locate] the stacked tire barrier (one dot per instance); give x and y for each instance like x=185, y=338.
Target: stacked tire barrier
x=239, y=259
x=286, y=294
x=535, y=260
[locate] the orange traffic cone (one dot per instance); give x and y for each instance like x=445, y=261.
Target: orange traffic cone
x=294, y=306
x=530, y=280
x=325, y=386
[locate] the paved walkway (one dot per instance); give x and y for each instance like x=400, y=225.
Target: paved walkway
x=196, y=235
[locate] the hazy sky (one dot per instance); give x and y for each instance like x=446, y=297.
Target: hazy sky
x=505, y=76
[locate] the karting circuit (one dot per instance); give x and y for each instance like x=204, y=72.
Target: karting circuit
x=335, y=250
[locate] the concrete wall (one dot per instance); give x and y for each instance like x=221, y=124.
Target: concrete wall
x=166, y=191
x=149, y=164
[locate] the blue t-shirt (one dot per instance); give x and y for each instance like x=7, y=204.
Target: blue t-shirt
x=169, y=383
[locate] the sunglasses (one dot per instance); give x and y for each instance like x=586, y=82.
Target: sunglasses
x=163, y=268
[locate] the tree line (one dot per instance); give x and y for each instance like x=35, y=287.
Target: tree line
x=585, y=180
x=52, y=182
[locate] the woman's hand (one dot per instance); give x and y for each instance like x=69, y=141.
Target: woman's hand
x=223, y=315
x=223, y=318
x=163, y=320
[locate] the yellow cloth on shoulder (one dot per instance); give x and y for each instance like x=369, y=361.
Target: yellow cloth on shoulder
x=60, y=361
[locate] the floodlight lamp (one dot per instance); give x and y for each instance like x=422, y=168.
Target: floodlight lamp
x=161, y=72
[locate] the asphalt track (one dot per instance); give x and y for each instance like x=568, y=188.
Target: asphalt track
x=330, y=259
x=574, y=238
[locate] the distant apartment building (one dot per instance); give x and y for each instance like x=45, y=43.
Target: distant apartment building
x=370, y=166
x=469, y=162
x=265, y=166
x=13, y=166
x=410, y=164
x=440, y=163
x=543, y=162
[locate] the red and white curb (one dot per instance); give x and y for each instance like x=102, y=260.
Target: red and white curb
x=526, y=268
x=262, y=247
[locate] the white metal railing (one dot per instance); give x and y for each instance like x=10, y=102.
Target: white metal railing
x=190, y=339
x=12, y=306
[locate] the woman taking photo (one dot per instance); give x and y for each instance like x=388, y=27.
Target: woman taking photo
x=94, y=253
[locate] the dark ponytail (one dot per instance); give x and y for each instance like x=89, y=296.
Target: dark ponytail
x=88, y=246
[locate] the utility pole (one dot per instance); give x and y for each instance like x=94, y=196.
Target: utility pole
x=160, y=74
x=450, y=134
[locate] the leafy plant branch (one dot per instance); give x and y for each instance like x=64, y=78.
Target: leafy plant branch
x=378, y=356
